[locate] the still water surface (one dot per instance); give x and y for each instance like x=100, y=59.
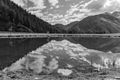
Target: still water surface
x=13, y=49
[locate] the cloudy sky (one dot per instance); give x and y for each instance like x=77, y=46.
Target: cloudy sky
x=66, y=11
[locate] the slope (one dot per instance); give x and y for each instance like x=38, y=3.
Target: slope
x=100, y=24
x=14, y=19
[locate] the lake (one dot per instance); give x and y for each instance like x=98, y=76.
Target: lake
x=13, y=49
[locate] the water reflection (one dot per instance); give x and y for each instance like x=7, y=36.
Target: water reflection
x=13, y=49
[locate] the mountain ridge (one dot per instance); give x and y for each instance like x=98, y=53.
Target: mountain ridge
x=116, y=14
x=16, y=19
x=98, y=24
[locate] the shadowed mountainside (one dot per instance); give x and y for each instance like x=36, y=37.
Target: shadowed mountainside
x=116, y=14
x=100, y=24
x=15, y=19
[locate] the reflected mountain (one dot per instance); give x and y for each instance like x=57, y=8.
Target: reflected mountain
x=65, y=58
x=13, y=49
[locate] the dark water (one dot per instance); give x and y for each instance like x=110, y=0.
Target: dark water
x=13, y=49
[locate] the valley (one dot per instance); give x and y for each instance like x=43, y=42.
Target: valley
x=34, y=49
x=63, y=55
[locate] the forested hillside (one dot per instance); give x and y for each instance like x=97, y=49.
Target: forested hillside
x=15, y=19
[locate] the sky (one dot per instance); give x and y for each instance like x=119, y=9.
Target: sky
x=67, y=11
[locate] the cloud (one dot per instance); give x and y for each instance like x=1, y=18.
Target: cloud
x=19, y=2
x=95, y=5
x=67, y=0
x=103, y=5
x=76, y=13
x=39, y=4
x=53, y=2
x=81, y=10
x=66, y=11
x=111, y=5
x=77, y=8
x=100, y=6
x=75, y=17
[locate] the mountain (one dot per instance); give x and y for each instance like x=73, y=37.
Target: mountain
x=116, y=14
x=65, y=58
x=15, y=19
x=102, y=23
x=61, y=27
x=64, y=28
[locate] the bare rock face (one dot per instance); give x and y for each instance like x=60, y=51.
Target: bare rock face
x=116, y=14
x=64, y=58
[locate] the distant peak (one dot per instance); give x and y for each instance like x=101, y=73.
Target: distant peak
x=116, y=14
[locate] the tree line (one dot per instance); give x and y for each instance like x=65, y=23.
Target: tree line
x=19, y=19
